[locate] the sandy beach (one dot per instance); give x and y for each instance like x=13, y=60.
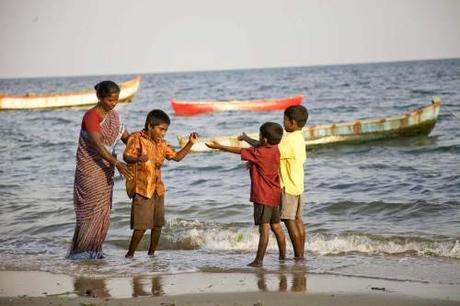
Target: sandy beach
x=259, y=288
x=232, y=299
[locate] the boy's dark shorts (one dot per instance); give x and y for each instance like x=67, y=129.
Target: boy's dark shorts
x=266, y=214
x=147, y=213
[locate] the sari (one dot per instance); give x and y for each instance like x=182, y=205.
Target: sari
x=93, y=188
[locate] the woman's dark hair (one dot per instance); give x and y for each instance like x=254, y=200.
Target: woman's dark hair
x=297, y=113
x=272, y=131
x=156, y=117
x=106, y=88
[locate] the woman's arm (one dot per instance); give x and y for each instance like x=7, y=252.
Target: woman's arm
x=125, y=136
x=96, y=141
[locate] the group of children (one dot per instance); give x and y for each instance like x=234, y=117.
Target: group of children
x=275, y=162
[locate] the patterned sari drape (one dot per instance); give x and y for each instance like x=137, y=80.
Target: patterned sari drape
x=93, y=189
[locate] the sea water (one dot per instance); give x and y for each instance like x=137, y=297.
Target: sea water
x=387, y=209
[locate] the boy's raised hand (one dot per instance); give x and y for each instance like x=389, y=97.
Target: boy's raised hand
x=243, y=137
x=213, y=144
x=193, y=138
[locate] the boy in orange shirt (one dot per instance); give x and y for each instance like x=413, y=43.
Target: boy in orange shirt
x=145, y=153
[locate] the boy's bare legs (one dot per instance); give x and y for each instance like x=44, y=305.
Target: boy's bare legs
x=135, y=239
x=294, y=235
x=301, y=229
x=280, y=239
x=263, y=243
x=154, y=238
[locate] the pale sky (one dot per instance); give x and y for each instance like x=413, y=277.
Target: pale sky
x=90, y=37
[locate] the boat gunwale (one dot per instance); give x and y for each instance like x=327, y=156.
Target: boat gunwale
x=128, y=90
x=125, y=84
x=397, y=117
x=428, y=124
x=236, y=102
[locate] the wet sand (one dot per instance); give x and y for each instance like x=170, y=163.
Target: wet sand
x=240, y=299
x=258, y=288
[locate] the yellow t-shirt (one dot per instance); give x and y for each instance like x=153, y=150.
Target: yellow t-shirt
x=292, y=157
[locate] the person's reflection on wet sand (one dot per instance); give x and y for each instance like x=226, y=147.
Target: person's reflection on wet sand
x=299, y=281
x=139, y=283
x=282, y=283
x=157, y=288
x=138, y=287
x=261, y=281
x=91, y=287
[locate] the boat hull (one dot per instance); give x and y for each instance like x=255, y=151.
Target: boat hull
x=128, y=90
x=192, y=108
x=418, y=122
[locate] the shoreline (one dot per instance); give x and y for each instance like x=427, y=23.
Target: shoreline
x=241, y=299
x=205, y=288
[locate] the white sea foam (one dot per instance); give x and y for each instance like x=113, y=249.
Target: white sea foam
x=322, y=244
x=331, y=245
x=228, y=239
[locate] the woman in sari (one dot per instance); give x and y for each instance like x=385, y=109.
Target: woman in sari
x=101, y=129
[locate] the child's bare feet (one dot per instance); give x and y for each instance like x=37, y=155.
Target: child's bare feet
x=299, y=259
x=282, y=257
x=255, y=264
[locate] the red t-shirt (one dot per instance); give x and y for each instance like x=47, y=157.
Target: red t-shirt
x=265, y=180
x=91, y=121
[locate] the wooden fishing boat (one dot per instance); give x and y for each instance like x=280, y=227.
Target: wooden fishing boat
x=70, y=99
x=418, y=122
x=190, y=108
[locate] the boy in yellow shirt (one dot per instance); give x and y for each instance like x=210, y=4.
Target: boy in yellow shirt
x=292, y=157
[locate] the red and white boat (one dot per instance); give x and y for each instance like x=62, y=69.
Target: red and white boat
x=190, y=108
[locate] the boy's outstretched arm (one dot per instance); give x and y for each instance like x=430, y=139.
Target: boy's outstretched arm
x=192, y=139
x=218, y=146
x=244, y=137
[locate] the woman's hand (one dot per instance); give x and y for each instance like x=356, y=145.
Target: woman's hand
x=124, y=170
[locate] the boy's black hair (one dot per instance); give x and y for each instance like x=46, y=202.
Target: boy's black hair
x=297, y=113
x=106, y=88
x=156, y=117
x=272, y=131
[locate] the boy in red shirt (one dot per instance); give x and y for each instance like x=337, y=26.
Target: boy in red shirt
x=263, y=164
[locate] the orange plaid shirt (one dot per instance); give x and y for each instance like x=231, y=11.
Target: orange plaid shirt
x=146, y=176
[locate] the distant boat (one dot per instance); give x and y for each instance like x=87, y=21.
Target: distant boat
x=190, y=108
x=69, y=99
x=418, y=122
